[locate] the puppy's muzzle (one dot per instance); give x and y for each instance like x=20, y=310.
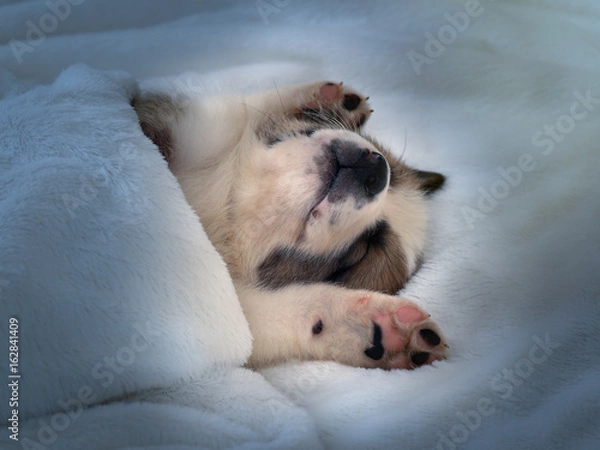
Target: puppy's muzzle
x=360, y=172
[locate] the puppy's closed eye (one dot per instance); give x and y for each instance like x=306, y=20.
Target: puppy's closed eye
x=383, y=265
x=355, y=254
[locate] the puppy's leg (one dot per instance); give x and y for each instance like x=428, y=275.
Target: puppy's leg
x=190, y=130
x=323, y=102
x=326, y=322
x=220, y=122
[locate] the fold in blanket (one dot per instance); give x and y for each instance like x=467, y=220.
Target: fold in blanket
x=118, y=292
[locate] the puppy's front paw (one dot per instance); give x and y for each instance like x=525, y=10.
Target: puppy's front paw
x=377, y=330
x=335, y=104
x=404, y=337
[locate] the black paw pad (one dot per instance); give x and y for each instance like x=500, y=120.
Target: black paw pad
x=418, y=359
x=318, y=327
x=430, y=337
x=376, y=352
x=351, y=101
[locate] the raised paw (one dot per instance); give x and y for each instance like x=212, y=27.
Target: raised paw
x=335, y=104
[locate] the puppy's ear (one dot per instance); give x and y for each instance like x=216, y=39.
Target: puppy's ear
x=429, y=182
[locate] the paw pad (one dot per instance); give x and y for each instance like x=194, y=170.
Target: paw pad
x=404, y=337
x=318, y=327
x=430, y=337
x=330, y=91
x=351, y=101
x=377, y=351
x=342, y=104
x=418, y=359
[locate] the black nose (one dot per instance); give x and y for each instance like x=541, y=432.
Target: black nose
x=371, y=171
x=367, y=169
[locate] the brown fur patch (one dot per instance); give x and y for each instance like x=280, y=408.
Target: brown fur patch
x=374, y=261
x=157, y=114
x=382, y=268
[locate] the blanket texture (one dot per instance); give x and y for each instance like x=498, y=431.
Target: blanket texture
x=118, y=292
x=130, y=335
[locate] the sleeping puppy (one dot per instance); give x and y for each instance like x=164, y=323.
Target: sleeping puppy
x=316, y=221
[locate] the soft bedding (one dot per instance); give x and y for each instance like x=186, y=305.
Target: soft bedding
x=129, y=332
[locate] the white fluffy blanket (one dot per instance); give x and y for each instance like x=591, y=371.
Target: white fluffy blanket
x=129, y=332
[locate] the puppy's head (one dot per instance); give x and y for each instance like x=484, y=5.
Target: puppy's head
x=321, y=204
x=297, y=201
